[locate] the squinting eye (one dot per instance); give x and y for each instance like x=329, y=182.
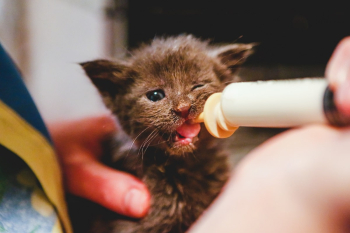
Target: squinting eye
x=156, y=95
x=197, y=86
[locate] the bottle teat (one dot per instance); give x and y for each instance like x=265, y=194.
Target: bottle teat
x=213, y=119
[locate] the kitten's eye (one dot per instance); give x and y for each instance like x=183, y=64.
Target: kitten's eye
x=156, y=95
x=197, y=86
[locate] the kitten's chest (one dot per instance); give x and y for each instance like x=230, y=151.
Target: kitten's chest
x=184, y=189
x=181, y=188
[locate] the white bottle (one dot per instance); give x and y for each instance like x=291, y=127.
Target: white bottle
x=282, y=103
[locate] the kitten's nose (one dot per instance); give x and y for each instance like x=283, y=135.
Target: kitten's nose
x=183, y=110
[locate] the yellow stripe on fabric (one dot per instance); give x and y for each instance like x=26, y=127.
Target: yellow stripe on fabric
x=57, y=228
x=25, y=141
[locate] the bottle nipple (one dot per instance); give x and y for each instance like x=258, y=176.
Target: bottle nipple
x=213, y=119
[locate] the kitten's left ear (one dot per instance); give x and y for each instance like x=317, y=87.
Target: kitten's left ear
x=232, y=56
x=107, y=76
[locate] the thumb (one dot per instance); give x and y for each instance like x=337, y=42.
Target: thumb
x=78, y=144
x=115, y=190
x=90, y=132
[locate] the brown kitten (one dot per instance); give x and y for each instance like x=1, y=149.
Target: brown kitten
x=154, y=93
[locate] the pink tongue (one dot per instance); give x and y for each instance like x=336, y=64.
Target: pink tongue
x=189, y=130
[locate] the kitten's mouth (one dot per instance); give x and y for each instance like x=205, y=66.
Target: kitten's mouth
x=186, y=133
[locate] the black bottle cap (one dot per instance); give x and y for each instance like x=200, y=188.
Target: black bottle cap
x=331, y=112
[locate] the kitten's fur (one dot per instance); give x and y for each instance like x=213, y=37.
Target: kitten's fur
x=183, y=179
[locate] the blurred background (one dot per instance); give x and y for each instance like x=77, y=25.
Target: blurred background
x=48, y=38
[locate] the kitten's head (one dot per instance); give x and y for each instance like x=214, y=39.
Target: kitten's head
x=156, y=91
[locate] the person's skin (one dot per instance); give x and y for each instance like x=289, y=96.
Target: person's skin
x=298, y=181
x=338, y=74
x=78, y=144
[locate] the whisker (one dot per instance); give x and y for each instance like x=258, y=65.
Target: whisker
x=149, y=137
x=141, y=146
x=133, y=142
x=149, y=142
x=161, y=140
x=144, y=143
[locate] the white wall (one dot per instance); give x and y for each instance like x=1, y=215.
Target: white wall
x=62, y=33
x=12, y=30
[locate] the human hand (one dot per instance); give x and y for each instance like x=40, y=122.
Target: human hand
x=295, y=182
x=298, y=181
x=78, y=144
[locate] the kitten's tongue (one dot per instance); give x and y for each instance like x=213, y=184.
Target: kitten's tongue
x=189, y=130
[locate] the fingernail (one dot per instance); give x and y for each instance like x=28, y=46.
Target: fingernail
x=337, y=70
x=341, y=77
x=339, y=74
x=136, y=202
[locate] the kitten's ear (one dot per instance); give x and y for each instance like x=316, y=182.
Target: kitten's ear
x=232, y=56
x=106, y=75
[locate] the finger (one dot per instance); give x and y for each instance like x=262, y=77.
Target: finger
x=88, y=132
x=91, y=132
x=95, y=128
x=337, y=70
x=115, y=190
x=338, y=74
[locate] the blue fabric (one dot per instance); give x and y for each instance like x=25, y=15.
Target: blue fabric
x=15, y=95
x=18, y=188
x=24, y=206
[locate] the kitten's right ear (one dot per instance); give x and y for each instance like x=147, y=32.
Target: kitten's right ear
x=106, y=75
x=233, y=55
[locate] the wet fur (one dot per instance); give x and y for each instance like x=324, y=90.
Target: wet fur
x=183, y=180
